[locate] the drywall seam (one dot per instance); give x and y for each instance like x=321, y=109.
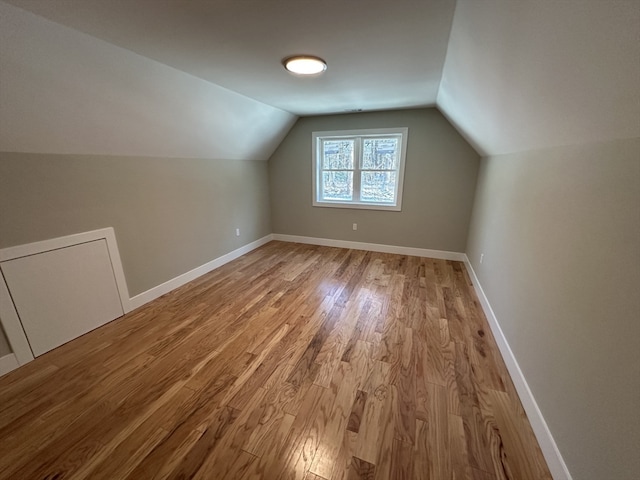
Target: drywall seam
x=373, y=247
x=552, y=455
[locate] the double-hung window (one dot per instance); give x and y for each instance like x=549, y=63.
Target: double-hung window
x=359, y=168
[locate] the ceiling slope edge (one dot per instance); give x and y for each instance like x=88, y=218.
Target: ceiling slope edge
x=521, y=76
x=66, y=92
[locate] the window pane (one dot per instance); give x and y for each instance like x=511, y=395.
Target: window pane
x=379, y=187
x=337, y=185
x=337, y=154
x=380, y=154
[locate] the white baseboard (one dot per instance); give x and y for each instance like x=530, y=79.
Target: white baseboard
x=374, y=247
x=8, y=363
x=166, y=287
x=552, y=455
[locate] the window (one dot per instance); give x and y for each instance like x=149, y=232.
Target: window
x=359, y=168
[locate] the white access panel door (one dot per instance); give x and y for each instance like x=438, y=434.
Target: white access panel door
x=64, y=293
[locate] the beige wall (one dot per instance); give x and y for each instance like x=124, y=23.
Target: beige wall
x=440, y=177
x=152, y=132
x=170, y=215
x=560, y=233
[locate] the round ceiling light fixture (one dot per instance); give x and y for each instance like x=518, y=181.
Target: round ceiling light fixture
x=304, y=65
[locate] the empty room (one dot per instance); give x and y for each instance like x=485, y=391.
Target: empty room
x=320, y=240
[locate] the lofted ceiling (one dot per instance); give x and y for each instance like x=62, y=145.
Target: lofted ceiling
x=522, y=75
x=381, y=54
x=511, y=76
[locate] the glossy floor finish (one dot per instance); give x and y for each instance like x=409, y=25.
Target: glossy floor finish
x=292, y=362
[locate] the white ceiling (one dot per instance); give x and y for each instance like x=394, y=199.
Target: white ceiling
x=518, y=75
x=381, y=54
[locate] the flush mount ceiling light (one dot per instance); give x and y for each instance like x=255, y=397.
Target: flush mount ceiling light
x=304, y=65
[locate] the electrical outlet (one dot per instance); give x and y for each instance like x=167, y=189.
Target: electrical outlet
x=237, y=232
x=355, y=226
x=481, y=257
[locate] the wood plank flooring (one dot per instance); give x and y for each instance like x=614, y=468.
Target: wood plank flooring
x=292, y=362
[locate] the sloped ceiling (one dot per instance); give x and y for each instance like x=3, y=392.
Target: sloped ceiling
x=521, y=75
x=381, y=54
x=64, y=92
x=511, y=76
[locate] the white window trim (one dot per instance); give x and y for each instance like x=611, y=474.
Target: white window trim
x=315, y=178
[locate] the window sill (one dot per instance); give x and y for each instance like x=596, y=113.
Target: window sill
x=358, y=206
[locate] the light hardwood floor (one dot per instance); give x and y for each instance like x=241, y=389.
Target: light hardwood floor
x=292, y=362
